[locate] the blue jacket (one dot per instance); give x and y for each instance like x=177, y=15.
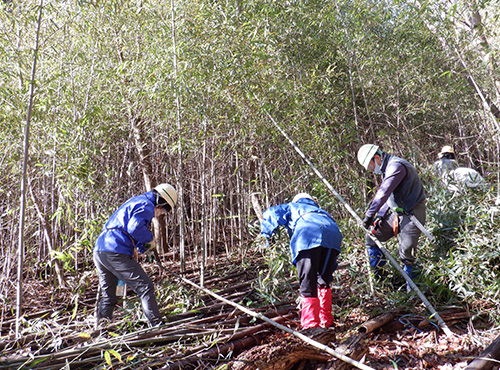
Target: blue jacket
x=307, y=224
x=127, y=228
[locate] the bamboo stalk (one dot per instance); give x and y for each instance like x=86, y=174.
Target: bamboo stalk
x=20, y=250
x=171, y=331
x=108, y=344
x=446, y=317
x=141, y=338
x=222, y=350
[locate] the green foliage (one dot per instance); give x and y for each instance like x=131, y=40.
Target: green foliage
x=176, y=298
x=107, y=356
x=333, y=75
x=466, y=255
x=273, y=284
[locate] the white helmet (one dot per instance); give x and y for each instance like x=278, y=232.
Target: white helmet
x=167, y=193
x=366, y=153
x=301, y=196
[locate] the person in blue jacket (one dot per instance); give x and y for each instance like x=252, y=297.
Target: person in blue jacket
x=400, y=195
x=126, y=231
x=315, y=243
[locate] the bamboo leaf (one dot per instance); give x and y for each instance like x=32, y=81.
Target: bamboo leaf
x=116, y=354
x=107, y=358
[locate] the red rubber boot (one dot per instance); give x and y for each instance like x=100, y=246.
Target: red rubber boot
x=325, y=307
x=309, y=317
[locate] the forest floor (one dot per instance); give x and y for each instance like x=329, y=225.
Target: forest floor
x=58, y=330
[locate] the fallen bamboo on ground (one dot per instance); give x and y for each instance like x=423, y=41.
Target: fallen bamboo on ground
x=236, y=342
x=375, y=323
x=214, y=352
x=170, y=331
x=108, y=344
x=275, y=324
x=414, y=287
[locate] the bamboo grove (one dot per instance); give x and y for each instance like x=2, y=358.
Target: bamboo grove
x=128, y=94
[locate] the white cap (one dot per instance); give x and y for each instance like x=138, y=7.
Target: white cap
x=301, y=196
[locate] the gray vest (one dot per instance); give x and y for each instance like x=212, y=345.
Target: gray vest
x=410, y=190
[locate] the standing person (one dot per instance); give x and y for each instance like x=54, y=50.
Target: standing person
x=126, y=231
x=446, y=161
x=401, y=195
x=314, y=244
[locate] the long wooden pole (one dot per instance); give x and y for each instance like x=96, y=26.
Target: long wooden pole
x=488, y=358
x=203, y=207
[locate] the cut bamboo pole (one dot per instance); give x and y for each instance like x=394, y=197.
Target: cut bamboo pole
x=180, y=189
x=224, y=349
x=197, y=352
x=375, y=323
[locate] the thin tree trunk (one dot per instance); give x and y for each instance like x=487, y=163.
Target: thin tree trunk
x=180, y=201
x=478, y=27
x=239, y=204
x=213, y=203
x=489, y=106
x=488, y=358
x=203, y=207
x=19, y=295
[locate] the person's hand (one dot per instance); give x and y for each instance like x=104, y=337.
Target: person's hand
x=377, y=223
x=368, y=221
x=149, y=254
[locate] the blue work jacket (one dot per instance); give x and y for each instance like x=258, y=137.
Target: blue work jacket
x=127, y=228
x=308, y=226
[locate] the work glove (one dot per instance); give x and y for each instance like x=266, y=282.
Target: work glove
x=377, y=223
x=368, y=221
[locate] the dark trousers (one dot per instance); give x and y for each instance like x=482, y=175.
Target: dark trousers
x=315, y=268
x=408, y=236
x=113, y=266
